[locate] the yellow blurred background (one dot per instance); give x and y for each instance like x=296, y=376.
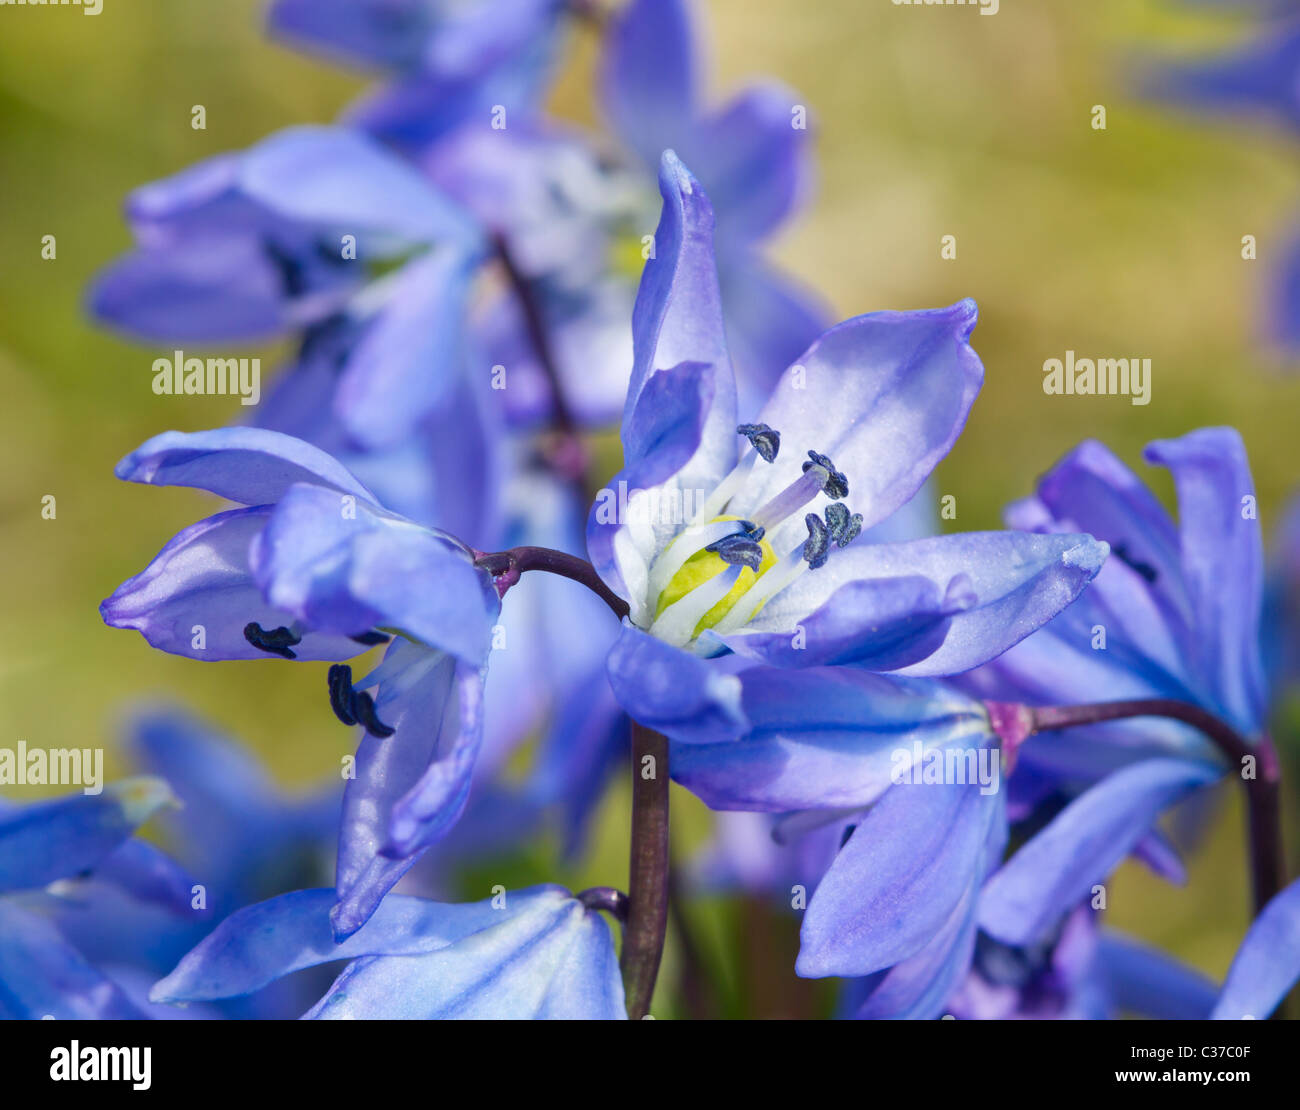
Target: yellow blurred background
x=929, y=122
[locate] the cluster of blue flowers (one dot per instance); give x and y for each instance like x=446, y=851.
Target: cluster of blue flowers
x=914, y=738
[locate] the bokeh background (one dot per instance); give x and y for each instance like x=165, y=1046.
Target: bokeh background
x=929, y=122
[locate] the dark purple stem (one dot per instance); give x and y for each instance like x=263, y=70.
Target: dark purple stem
x=566, y=453
x=506, y=567
x=607, y=898
x=647, y=920
x=1267, y=873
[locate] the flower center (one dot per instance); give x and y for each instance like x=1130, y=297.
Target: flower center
x=720, y=570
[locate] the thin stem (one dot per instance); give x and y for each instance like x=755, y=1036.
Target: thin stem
x=1267, y=875
x=568, y=452
x=506, y=567
x=607, y=898
x=647, y=919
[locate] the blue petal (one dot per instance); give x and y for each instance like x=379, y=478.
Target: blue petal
x=998, y=586
x=53, y=840
x=554, y=961
x=342, y=565
x=1267, y=964
x=201, y=579
x=672, y=691
x=148, y=875
x=648, y=75
x=884, y=624
x=1082, y=845
x=42, y=976
x=258, y=944
x=753, y=161
x=825, y=738
x=1141, y=980
x=250, y=465
x=885, y=396
x=898, y=880
x=405, y=362
x=1223, y=564
x=345, y=181
x=417, y=779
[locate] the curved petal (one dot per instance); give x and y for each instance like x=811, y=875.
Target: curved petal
x=1223, y=563
x=404, y=363
x=884, y=624
x=1267, y=964
x=1144, y=981
x=672, y=691
x=826, y=738
x=904, y=871
x=45, y=841
x=648, y=75
x=753, y=161
x=201, y=583
x=1082, y=845
x=258, y=944
x=344, y=180
x=342, y=565
x=45, y=977
x=253, y=466
x=417, y=778
x=884, y=395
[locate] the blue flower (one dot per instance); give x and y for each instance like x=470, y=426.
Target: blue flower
x=315, y=568
x=1174, y=613
x=717, y=551
x=535, y=953
x=287, y=235
x=1267, y=964
x=64, y=840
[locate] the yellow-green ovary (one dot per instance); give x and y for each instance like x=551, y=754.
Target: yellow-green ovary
x=703, y=567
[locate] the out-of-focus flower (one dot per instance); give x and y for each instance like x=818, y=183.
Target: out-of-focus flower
x=66, y=840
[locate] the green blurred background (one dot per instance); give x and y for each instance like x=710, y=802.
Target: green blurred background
x=929, y=122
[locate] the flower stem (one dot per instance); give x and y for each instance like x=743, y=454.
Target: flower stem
x=1262, y=789
x=506, y=567
x=647, y=919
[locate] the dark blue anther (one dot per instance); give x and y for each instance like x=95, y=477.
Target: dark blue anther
x=276, y=642
x=370, y=639
x=844, y=526
x=1146, y=570
x=848, y=832
x=836, y=485
x=766, y=441
x=738, y=550
x=351, y=706
x=816, y=548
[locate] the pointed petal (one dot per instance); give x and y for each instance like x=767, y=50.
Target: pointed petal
x=1267, y=964
x=1082, y=845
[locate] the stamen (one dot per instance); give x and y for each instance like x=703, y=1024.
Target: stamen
x=766, y=441
x=844, y=528
x=837, y=486
x=817, y=547
x=676, y=624
x=352, y=707
x=793, y=498
x=276, y=642
x=739, y=550
x=371, y=638
x=768, y=585
x=696, y=538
